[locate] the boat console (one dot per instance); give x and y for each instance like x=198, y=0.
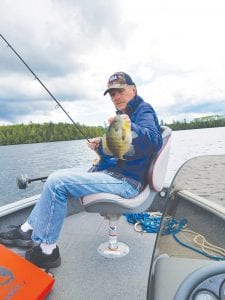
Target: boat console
x=189, y=264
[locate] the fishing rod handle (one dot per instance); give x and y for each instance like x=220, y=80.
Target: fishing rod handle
x=23, y=181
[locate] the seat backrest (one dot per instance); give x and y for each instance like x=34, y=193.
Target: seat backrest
x=158, y=165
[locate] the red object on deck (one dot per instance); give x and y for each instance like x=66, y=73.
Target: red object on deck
x=20, y=279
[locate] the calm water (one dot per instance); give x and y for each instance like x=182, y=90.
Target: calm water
x=37, y=160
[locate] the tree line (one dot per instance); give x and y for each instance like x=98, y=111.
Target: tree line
x=47, y=132
x=197, y=123
x=51, y=132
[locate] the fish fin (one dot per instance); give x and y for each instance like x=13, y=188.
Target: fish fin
x=131, y=151
x=105, y=146
x=121, y=158
x=134, y=134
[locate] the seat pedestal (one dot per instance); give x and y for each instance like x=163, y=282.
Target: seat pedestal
x=113, y=248
x=113, y=206
x=121, y=250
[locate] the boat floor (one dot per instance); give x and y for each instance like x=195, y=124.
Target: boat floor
x=85, y=274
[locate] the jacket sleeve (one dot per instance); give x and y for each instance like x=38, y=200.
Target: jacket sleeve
x=147, y=130
x=106, y=160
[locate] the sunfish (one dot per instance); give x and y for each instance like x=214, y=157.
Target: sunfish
x=118, y=139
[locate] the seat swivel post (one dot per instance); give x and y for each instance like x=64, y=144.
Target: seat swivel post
x=113, y=248
x=113, y=235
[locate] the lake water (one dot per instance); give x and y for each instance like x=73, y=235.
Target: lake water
x=38, y=160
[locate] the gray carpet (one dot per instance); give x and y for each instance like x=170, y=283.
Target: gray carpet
x=85, y=274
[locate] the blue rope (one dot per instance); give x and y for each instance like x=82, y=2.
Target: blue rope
x=197, y=250
x=151, y=223
x=172, y=226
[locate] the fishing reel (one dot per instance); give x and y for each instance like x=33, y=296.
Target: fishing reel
x=23, y=180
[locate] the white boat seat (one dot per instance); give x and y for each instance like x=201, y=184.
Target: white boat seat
x=112, y=206
x=111, y=203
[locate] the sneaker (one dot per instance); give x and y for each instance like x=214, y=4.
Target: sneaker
x=42, y=260
x=16, y=237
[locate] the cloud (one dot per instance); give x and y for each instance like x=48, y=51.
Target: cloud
x=174, y=52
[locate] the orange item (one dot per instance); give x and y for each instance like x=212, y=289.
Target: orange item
x=20, y=279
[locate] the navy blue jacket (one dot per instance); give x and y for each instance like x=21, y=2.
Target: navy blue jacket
x=144, y=123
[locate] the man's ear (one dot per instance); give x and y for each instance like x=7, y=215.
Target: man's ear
x=135, y=89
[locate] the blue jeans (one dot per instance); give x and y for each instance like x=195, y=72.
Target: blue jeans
x=48, y=214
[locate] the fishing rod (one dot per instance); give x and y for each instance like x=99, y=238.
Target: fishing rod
x=47, y=90
x=23, y=181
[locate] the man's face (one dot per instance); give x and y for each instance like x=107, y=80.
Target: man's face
x=121, y=97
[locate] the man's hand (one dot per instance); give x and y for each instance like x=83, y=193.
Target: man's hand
x=124, y=116
x=94, y=143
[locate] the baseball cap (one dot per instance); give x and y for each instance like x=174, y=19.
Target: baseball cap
x=118, y=80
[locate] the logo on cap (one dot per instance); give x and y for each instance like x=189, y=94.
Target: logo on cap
x=119, y=80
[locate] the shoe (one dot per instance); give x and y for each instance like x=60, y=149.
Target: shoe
x=16, y=237
x=42, y=260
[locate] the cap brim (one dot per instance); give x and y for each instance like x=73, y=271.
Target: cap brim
x=115, y=86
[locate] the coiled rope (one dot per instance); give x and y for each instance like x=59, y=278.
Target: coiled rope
x=151, y=221
x=204, y=247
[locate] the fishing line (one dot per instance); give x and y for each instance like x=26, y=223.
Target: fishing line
x=47, y=90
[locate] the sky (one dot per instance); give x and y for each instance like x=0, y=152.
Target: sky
x=172, y=49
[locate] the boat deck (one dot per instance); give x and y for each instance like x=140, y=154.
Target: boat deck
x=85, y=274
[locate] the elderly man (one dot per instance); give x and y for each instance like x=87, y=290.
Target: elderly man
x=125, y=177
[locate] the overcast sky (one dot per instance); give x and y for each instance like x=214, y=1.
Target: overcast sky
x=173, y=49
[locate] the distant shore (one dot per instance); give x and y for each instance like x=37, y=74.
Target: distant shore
x=51, y=132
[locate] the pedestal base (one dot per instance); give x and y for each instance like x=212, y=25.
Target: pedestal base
x=120, y=251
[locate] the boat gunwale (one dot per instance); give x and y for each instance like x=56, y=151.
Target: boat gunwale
x=18, y=205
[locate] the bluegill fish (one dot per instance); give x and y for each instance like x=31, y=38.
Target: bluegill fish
x=118, y=139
